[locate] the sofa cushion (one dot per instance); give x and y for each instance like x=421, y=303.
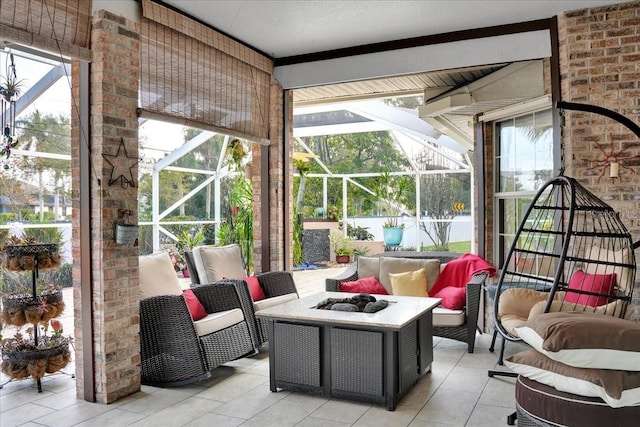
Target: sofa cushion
x=446, y=317
x=365, y=285
x=585, y=340
x=624, y=275
x=215, y=262
x=401, y=265
x=616, y=388
x=369, y=266
x=270, y=302
x=409, y=283
x=157, y=276
x=218, y=321
x=194, y=305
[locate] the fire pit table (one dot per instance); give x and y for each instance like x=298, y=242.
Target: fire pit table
x=374, y=357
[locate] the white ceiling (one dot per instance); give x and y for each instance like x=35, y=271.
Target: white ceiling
x=286, y=28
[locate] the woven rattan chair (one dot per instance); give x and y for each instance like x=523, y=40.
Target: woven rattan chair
x=174, y=349
x=213, y=262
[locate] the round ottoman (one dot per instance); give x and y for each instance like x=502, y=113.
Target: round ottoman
x=540, y=405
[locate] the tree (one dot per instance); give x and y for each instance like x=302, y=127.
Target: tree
x=351, y=153
x=47, y=134
x=442, y=202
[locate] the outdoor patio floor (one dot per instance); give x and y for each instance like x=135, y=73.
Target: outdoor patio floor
x=457, y=392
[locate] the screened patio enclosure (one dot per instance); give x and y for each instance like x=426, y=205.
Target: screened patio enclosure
x=423, y=153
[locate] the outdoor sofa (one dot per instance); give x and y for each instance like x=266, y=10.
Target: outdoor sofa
x=459, y=323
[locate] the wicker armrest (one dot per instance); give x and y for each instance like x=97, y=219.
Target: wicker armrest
x=473, y=298
x=226, y=295
x=276, y=283
x=332, y=284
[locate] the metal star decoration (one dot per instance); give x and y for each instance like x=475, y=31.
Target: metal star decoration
x=118, y=170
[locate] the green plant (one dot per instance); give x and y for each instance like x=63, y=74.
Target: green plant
x=341, y=244
x=237, y=227
x=358, y=232
x=394, y=192
x=358, y=251
x=188, y=239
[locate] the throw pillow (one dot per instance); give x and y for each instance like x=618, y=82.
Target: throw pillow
x=255, y=289
x=410, y=283
x=597, y=283
x=195, y=306
x=453, y=297
x=585, y=340
x=365, y=285
x=616, y=388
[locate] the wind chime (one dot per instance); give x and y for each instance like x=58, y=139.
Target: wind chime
x=9, y=93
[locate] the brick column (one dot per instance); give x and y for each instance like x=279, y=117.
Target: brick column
x=115, y=303
x=278, y=225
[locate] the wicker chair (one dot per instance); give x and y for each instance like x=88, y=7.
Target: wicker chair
x=215, y=262
x=174, y=349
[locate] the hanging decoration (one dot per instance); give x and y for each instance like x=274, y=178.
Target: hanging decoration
x=122, y=171
x=10, y=88
x=611, y=159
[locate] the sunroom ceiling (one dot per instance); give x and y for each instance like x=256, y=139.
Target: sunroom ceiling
x=429, y=84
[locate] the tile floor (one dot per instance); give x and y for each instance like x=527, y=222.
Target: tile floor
x=457, y=392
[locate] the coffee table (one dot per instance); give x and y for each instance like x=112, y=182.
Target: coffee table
x=373, y=357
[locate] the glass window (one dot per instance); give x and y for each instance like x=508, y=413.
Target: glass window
x=524, y=162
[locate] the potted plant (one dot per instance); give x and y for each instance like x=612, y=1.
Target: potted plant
x=394, y=192
x=342, y=246
x=187, y=240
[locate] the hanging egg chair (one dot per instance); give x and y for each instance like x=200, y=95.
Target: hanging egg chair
x=571, y=253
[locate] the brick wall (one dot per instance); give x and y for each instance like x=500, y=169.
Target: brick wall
x=600, y=65
x=114, y=99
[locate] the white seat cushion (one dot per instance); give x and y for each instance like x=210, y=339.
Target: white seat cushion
x=217, y=321
x=446, y=317
x=214, y=263
x=270, y=302
x=157, y=276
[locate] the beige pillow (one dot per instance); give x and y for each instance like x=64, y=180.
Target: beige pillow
x=402, y=265
x=214, y=263
x=157, y=276
x=409, y=283
x=624, y=275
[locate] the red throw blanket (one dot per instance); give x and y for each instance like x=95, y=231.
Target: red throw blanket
x=457, y=272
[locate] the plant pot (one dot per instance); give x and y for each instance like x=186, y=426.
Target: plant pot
x=126, y=234
x=343, y=259
x=185, y=273
x=392, y=235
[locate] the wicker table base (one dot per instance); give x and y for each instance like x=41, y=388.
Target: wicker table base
x=373, y=357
